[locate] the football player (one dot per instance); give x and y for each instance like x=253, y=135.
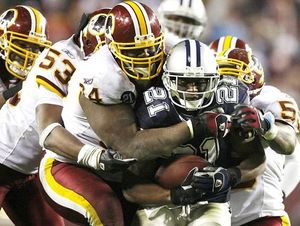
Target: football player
x=182, y=19
x=23, y=35
x=279, y=139
x=20, y=152
x=192, y=88
x=98, y=112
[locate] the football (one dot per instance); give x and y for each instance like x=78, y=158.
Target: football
x=173, y=171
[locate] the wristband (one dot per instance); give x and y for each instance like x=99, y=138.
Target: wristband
x=190, y=126
x=271, y=133
x=234, y=176
x=45, y=133
x=90, y=156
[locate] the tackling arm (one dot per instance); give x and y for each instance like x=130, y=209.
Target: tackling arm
x=285, y=140
x=251, y=157
x=146, y=193
x=280, y=136
x=116, y=126
x=252, y=167
x=61, y=141
x=140, y=188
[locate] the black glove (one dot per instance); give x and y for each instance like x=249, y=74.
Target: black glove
x=215, y=179
x=185, y=194
x=250, y=118
x=111, y=160
x=210, y=124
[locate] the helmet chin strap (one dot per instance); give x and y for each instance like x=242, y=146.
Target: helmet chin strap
x=191, y=105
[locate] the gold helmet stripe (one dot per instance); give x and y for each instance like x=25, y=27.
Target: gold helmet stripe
x=146, y=18
x=40, y=21
x=227, y=42
x=139, y=17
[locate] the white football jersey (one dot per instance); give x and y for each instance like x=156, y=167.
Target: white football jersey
x=265, y=197
x=101, y=80
x=19, y=145
x=57, y=69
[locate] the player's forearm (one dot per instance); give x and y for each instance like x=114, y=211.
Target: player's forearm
x=153, y=143
x=148, y=195
x=58, y=140
x=117, y=128
x=62, y=142
x=252, y=167
x=285, y=140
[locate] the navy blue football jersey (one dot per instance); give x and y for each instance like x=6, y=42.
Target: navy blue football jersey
x=155, y=109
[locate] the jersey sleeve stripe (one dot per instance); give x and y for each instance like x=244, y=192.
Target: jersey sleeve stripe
x=50, y=86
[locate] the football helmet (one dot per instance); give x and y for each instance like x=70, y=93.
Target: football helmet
x=190, y=75
x=184, y=18
x=134, y=37
x=245, y=66
x=228, y=42
x=23, y=35
x=92, y=35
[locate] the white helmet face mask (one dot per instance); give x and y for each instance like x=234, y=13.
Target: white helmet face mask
x=190, y=75
x=184, y=18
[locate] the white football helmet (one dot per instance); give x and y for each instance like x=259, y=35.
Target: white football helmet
x=191, y=75
x=185, y=18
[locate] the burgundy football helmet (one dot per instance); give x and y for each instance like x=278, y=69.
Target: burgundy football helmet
x=228, y=42
x=135, y=39
x=92, y=36
x=243, y=65
x=23, y=35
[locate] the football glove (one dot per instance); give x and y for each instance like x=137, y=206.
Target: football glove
x=103, y=159
x=215, y=179
x=185, y=194
x=209, y=124
x=250, y=118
